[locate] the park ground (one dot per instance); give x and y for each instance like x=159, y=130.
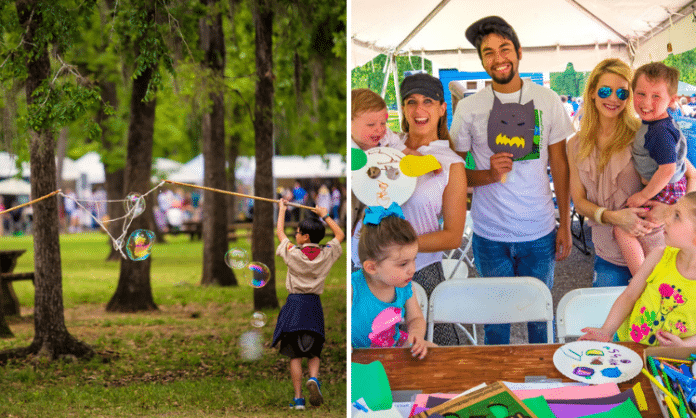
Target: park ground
x=183, y=360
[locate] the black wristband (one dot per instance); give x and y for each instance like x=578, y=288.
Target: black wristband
x=325, y=216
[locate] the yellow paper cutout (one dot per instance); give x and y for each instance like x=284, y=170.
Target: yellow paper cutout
x=414, y=165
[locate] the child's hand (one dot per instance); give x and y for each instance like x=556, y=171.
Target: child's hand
x=667, y=339
x=596, y=334
x=321, y=211
x=635, y=201
x=418, y=346
x=282, y=204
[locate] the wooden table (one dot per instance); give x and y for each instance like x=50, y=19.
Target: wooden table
x=8, y=299
x=456, y=369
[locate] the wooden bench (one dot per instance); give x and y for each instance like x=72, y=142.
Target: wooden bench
x=9, y=302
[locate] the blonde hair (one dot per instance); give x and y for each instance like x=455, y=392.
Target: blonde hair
x=365, y=100
x=626, y=126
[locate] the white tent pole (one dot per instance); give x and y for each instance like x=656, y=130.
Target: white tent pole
x=387, y=67
x=397, y=90
x=598, y=20
x=422, y=24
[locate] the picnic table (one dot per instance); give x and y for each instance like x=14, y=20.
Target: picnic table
x=9, y=304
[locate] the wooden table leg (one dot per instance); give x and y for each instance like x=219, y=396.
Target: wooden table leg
x=9, y=304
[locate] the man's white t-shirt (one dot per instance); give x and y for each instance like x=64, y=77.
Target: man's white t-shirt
x=522, y=208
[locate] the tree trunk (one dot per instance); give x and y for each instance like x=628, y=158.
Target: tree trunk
x=51, y=337
x=215, y=271
x=263, y=245
x=134, y=292
x=232, y=154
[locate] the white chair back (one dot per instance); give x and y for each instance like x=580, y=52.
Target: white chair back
x=586, y=307
x=422, y=298
x=491, y=300
x=454, y=268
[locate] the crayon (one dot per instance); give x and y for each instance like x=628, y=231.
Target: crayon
x=673, y=360
x=659, y=386
x=672, y=409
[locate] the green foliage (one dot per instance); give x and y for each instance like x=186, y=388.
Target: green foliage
x=686, y=64
x=569, y=82
x=371, y=75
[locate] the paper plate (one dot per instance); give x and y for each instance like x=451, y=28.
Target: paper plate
x=595, y=362
x=380, y=181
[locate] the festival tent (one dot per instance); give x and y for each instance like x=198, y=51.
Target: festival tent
x=13, y=186
x=686, y=89
x=284, y=167
x=552, y=33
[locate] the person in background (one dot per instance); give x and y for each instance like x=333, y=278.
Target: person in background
x=335, y=203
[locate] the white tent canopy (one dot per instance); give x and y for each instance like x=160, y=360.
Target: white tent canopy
x=13, y=186
x=551, y=32
x=284, y=167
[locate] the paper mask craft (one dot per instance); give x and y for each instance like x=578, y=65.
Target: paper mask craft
x=380, y=181
x=511, y=128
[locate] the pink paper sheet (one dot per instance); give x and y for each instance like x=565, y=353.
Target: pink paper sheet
x=571, y=392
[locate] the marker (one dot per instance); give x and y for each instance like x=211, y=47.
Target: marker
x=673, y=360
x=360, y=406
x=659, y=386
x=672, y=408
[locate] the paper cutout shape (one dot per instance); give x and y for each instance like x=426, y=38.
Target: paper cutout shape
x=621, y=363
x=369, y=381
x=380, y=182
x=414, y=165
x=511, y=128
x=358, y=159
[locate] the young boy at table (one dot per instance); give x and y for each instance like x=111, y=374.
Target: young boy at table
x=300, y=326
x=658, y=306
x=659, y=148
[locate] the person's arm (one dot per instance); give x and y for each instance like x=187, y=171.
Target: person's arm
x=415, y=324
x=280, y=225
x=323, y=214
x=453, y=213
x=561, y=182
x=667, y=339
x=658, y=182
x=627, y=219
x=624, y=303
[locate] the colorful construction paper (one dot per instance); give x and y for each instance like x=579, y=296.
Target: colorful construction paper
x=369, y=381
x=571, y=392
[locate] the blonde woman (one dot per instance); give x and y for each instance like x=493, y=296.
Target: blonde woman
x=602, y=176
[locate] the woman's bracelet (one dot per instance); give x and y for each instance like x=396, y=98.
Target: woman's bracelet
x=598, y=215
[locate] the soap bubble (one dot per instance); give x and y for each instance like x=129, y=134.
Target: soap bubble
x=236, y=258
x=139, y=244
x=258, y=319
x=134, y=202
x=259, y=274
x=250, y=345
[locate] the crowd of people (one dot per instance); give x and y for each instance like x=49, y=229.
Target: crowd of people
x=623, y=162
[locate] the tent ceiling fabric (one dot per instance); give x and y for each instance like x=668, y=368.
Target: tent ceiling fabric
x=552, y=32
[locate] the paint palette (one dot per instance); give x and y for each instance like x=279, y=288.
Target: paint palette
x=595, y=362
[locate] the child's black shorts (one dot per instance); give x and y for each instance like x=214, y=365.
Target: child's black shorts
x=300, y=344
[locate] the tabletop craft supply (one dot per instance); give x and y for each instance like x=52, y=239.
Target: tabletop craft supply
x=596, y=362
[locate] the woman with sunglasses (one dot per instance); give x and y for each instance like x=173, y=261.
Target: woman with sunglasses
x=602, y=175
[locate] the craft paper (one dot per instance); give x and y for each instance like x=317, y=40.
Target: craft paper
x=571, y=392
x=539, y=406
x=380, y=181
x=596, y=362
x=369, y=381
x=414, y=166
x=624, y=410
x=635, y=394
x=511, y=128
x=494, y=400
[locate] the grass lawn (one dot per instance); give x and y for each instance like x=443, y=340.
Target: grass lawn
x=181, y=361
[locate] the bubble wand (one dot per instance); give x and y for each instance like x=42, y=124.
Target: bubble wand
x=237, y=194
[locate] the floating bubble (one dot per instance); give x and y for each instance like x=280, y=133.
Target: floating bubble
x=139, y=245
x=134, y=202
x=258, y=319
x=259, y=274
x=236, y=258
x=250, y=345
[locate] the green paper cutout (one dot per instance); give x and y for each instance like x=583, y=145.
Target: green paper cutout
x=358, y=159
x=539, y=406
x=535, y=154
x=626, y=410
x=369, y=381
